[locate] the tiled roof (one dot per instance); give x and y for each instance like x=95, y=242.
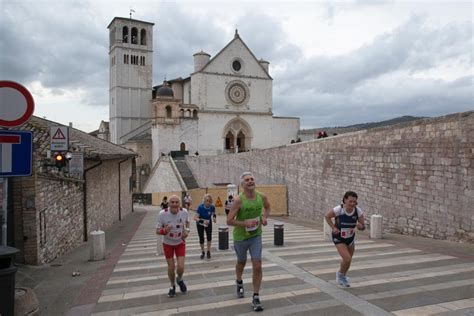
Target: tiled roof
x=79, y=141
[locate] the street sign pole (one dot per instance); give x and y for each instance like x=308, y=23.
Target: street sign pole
x=5, y=211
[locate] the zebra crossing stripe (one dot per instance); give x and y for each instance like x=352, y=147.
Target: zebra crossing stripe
x=234, y=302
x=437, y=308
x=418, y=289
x=416, y=274
x=128, y=279
x=387, y=263
x=191, y=287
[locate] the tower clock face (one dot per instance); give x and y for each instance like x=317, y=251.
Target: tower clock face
x=237, y=93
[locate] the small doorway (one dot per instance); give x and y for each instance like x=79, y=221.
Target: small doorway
x=182, y=147
x=241, y=142
x=229, y=141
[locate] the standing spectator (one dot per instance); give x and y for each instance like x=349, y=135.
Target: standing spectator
x=164, y=203
x=173, y=225
x=205, y=214
x=248, y=213
x=187, y=201
x=228, y=204
x=347, y=217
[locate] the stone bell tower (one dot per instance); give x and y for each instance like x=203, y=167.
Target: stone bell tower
x=130, y=76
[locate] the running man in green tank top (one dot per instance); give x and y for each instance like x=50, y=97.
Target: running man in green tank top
x=247, y=214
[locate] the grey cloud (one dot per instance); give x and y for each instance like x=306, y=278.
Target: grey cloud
x=62, y=50
x=264, y=35
x=177, y=37
x=410, y=47
x=378, y=100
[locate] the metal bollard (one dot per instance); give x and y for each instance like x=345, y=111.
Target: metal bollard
x=278, y=233
x=223, y=237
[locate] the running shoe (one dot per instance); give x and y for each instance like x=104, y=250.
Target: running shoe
x=172, y=291
x=182, y=286
x=342, y=280
x=208, y=255
x=240, y=290
x=257, y=306
x=202, y=255
x=345, y=281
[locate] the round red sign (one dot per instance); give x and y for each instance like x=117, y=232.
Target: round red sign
x=16, y=119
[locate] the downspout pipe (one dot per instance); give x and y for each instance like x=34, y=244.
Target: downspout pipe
x=84, y=188
x=120, y=189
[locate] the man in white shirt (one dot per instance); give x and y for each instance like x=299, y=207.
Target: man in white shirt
x=173, y=225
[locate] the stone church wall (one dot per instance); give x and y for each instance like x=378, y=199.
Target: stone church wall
x=418, y=175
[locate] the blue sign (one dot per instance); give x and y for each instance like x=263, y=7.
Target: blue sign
x=16, y=151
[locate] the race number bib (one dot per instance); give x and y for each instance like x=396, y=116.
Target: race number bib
x=251, y=229
x=347, y=232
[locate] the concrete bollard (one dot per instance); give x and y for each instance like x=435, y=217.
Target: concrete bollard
x=327, y=230
x=97, y=245
x=278, y=234
x=223, y=237
x=376, y=226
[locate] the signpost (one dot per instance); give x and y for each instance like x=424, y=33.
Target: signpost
x=59, y=138
x=16, y=107
x=16, y=151
x=16, y=104
x=76, y=164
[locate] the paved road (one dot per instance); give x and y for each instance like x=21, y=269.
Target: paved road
x=397, y=275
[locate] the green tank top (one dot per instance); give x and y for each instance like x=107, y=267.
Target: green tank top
x=249, y=209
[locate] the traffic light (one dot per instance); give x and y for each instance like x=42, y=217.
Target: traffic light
x=59, y=160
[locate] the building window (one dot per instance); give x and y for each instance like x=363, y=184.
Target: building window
x=143, y=37
x=142, y=60
x=236, y=65
x=125, y=34
x=125, y=59
x=168, y=111
x=134, y=35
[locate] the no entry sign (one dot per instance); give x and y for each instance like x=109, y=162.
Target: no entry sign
x=16, y=104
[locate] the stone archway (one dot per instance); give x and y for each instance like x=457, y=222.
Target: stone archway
x=237, y=135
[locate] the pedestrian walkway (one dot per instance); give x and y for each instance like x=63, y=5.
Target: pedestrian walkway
x=388, y=276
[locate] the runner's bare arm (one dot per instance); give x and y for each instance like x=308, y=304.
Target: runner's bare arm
x=328, y=217
x=266, y=209
x=361, y=223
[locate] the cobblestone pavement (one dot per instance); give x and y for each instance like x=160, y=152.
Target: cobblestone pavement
x=398, y=276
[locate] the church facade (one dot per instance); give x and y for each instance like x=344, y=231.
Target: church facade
x=224, y=106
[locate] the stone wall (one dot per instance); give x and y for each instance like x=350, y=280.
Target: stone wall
x=103, y=193
x=59, y=217
x=49, y=209
x=418, y=175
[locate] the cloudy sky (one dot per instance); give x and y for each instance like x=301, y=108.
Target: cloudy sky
x=334, y=63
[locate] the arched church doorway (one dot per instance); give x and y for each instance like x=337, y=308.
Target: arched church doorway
x=237, y=135
x=182, y=147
